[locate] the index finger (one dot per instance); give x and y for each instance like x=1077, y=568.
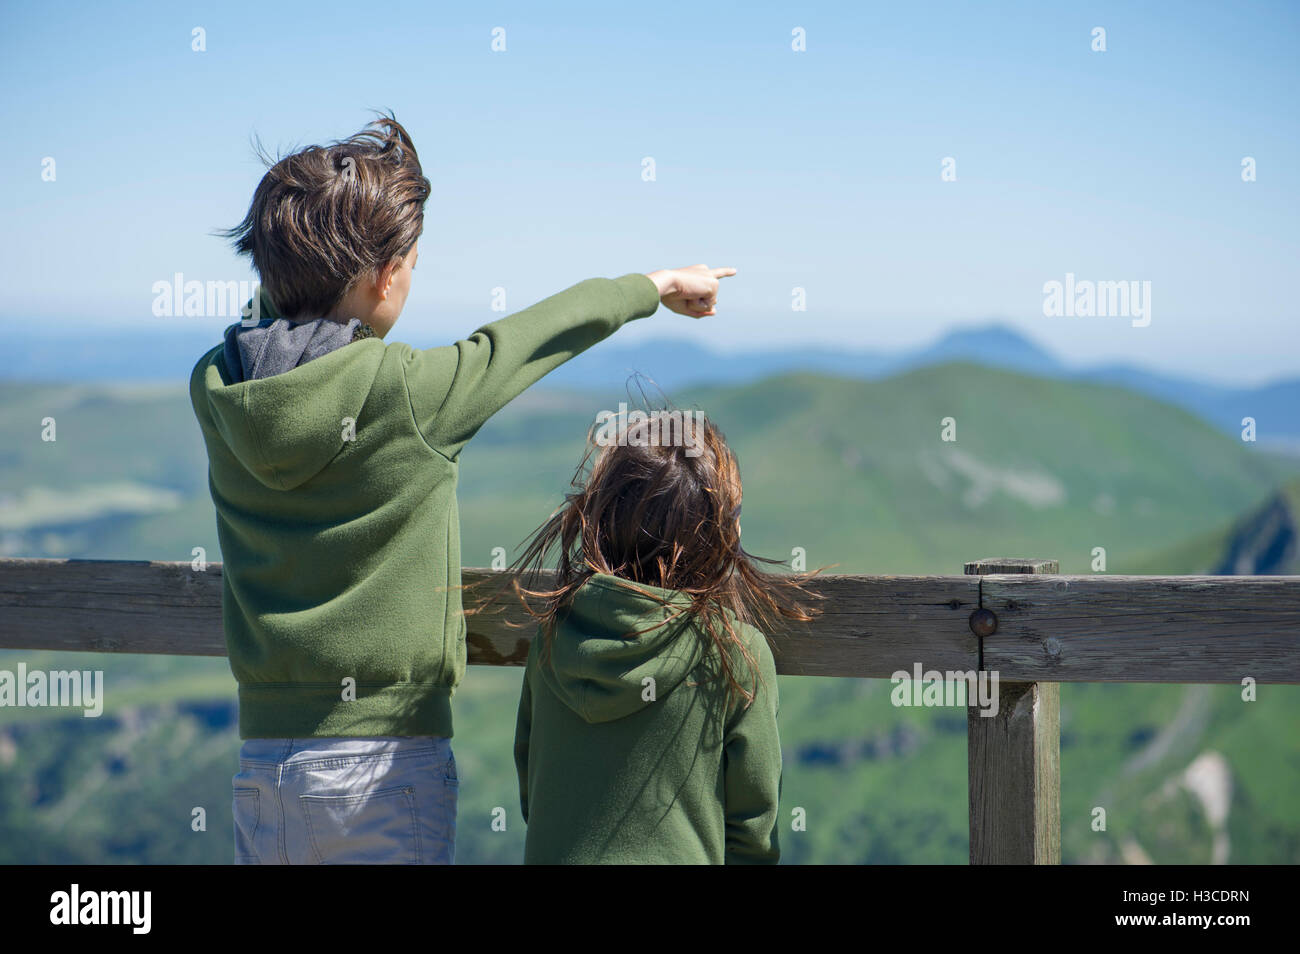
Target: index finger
x=722, y=272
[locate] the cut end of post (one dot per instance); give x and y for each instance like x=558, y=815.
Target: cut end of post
x=1011, y=565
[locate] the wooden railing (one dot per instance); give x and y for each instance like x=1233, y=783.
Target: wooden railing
x=1019, y=619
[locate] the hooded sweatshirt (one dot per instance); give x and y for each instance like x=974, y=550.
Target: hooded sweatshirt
x=333, y=468
x=627, y=747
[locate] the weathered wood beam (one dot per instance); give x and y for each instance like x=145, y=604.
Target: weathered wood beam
x=870, y=625
x=1182, y=629
x=1063, y=628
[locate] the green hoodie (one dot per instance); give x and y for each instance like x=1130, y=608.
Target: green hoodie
x=628, y=750
x=335, y=490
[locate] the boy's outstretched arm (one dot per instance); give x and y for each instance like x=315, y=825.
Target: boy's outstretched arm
x=454, y=389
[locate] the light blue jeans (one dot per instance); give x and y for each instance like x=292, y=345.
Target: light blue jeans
x=331, y=801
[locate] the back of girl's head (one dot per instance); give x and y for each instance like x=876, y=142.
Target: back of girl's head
x=656, y=501
x=660, y=505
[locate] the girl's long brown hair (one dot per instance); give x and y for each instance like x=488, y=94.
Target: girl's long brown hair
x=660, y=506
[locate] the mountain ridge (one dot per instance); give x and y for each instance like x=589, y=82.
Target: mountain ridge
x=670, y=364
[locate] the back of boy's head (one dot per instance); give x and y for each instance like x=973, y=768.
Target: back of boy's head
x=325, y=216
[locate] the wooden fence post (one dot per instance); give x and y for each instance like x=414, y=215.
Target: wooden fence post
x=1014, y=757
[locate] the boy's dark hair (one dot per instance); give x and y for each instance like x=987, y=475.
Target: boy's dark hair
x=324, y=216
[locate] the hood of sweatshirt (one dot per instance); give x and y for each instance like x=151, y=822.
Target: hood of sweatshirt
x=609, y=640
x=281, y=393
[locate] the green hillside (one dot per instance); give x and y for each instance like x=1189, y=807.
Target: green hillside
x=853, y=472
x=856, y=473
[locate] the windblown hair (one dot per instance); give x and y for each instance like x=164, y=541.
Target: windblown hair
x=325, y=216
x=660, y=506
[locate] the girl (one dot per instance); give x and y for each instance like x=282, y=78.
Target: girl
x=647, y=723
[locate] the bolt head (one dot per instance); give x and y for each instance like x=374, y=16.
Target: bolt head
x=983, y=622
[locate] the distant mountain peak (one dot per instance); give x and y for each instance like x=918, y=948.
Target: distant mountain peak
x=995, y=344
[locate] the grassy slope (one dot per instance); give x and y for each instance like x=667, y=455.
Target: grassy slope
x=855, y=472
x=852, y=471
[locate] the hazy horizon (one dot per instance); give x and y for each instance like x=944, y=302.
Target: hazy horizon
x=819, y=169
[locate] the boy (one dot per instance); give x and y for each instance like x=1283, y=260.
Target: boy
x=332, y=466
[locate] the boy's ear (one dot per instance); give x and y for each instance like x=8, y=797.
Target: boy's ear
x=384, y=279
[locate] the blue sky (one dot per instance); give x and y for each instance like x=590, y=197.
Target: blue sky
x=818, y=169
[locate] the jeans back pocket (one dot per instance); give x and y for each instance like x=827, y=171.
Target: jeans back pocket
x=364, y=828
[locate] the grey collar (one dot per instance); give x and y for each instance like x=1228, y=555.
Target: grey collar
x=275, y=345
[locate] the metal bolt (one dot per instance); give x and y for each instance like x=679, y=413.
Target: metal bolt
x=983, y=622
